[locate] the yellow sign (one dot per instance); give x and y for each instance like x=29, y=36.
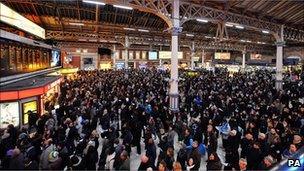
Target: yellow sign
x=11, y=17
x=28, y=106
x=218, y=55
x=167, y=55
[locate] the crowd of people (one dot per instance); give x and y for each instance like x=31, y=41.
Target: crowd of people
x=98, y=116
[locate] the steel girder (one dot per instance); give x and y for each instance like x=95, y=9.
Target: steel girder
x=97, y=40
x=190, y=11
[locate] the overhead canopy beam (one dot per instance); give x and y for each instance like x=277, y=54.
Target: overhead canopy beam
x=143, y=40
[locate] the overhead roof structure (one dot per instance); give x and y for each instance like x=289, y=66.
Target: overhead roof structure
x=248, y=24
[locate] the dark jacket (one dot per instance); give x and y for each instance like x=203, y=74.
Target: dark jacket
x=196, y=156
x=214, y=165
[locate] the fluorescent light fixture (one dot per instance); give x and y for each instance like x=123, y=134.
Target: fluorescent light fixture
x=189, y=35
x=82, y=39
x=77, y=24
x=242, y=40
x=126, y=28
x=202, y=20
x=228, y=25
x=265, y=31
x=214, y=37
x=85, y=50
x=123, y=7
x=259, y=42
x=248, y=41
x=239, y=27
x=92, y=40
x=93, y=2
x=263, y=43
x=112, y=41
x=208, y=37
x=78, y=50
x=143, y=30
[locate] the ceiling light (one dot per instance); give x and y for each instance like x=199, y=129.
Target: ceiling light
x=263, y=43
x=248, y=41
x=82, y=39
x=239, y=27
x=208, y=37
x=123, y=7
x=202, y=20
x=126, y=28
x=259, y=42
x=78, y=50
x=228, y=25
x=85, y=50
x=265, y=31
x=143, y=30
x=242, y=40
x=92, y=40
x=93, y=2
x=189, y=35
x=77, y=24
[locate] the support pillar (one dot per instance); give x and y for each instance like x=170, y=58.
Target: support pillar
x=174, y=96
x=279, y=60
x=114, y=57
x=244, y=61
x=127, y=45
x=279, y=66
x=192, y=56
x=203, y=59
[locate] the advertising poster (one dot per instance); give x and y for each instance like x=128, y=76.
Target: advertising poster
x=255, y=56
x=9, y=114
x=218, y=55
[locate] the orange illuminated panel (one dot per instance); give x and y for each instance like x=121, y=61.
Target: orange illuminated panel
x=9, y=95
x=31, y=92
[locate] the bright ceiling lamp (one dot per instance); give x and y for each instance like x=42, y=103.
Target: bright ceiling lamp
x=190, y=35
x=248, y=41
x=123, y=7
x=93, y=2
x=242, y=40
x=208, y=37
x=265, y=31
x=202, y=20
x=143, y=30
x=126, y=28
x=77, y=24
x=229, y=25
x=239, y=27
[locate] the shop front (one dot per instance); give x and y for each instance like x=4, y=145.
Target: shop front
x=15, y=104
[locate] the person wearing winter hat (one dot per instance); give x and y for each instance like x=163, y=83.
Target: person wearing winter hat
x=55, y=161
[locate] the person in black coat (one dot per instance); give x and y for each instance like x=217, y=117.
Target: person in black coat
x=195, y=155
x=254, y=156
x=232, y=154
x=214, y=162
x=210, y=140
x=32, y=118
x=91, y=158
x=246, y=143
x=151, y=150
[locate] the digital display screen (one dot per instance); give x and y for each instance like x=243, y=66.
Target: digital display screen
x=11, y=17
x=255, y=56
x=55, y=60
x=87, y=61
x=28, y=106
x=167, y=55
x=9, y=114
x=152, y=55
x=219, y=55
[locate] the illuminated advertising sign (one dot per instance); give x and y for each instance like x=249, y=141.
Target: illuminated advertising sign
x=218, y=55
x=167, y=55
x=255, y=56
x=152, y=55
x=28, y=106
x=11, y=17
x=9, y=114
